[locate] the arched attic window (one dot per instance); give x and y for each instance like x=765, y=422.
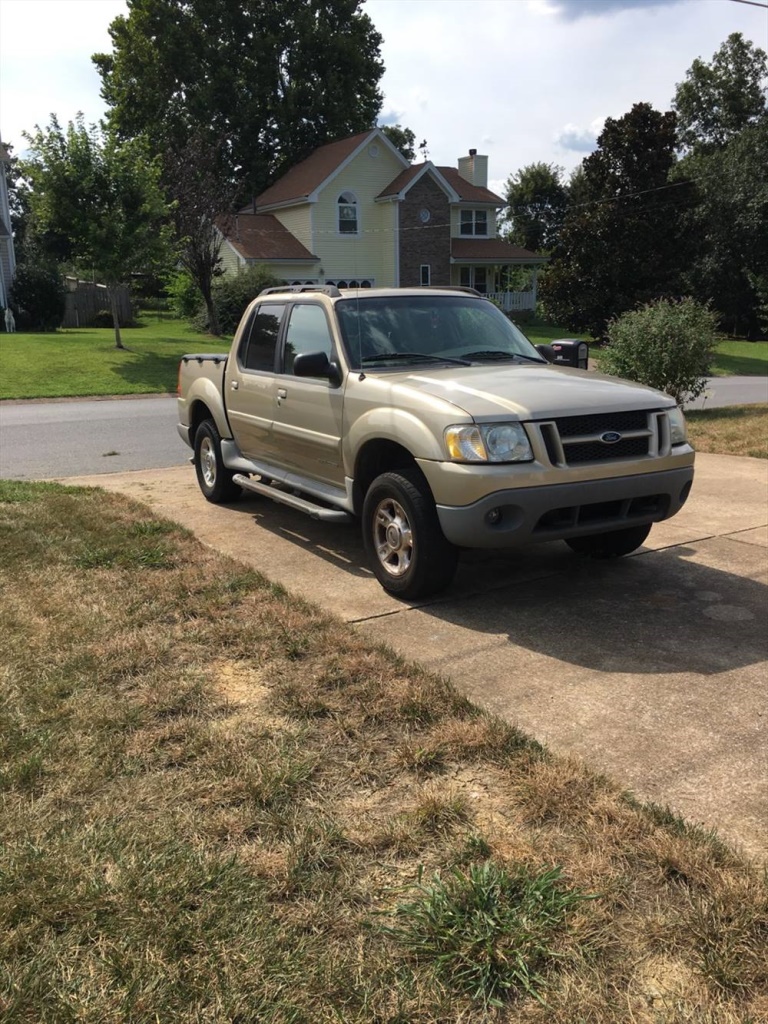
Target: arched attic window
x=347, y=213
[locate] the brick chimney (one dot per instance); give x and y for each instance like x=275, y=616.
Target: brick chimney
x=474, y=168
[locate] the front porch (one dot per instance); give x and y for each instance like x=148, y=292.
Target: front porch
x=512, y=287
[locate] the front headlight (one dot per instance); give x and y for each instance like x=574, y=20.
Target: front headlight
x=677, y=432
x=488, y=442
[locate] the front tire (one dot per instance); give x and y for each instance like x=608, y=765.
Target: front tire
x=610, y=545
x=406, y=548
x=213, y=477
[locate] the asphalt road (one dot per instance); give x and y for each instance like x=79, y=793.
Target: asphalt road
x=39, y=440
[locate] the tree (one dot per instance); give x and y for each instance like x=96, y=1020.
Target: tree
x=275, y=78
x=718, y=100
x=623, y=244
x=402, y=138
x=536, y=202
x=729, y=225
x=723, y=124
x=97, y=201
x=199, y=201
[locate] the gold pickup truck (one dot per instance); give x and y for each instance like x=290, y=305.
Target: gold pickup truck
x=428, y=416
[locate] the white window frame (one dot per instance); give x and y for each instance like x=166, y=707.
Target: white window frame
x=474, y=223
x=347, y=199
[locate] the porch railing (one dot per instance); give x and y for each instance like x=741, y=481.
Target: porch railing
x=514, y=301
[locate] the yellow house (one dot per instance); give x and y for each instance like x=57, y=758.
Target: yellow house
x=355, y=213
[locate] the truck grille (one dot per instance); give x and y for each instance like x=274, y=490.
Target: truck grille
x=573, y=440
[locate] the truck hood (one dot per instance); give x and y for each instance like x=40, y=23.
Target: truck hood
x=530, y=391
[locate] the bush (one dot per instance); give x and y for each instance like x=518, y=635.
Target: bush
x=183, y=295
x=666, y=345
x=38, y=296
x=233, y=292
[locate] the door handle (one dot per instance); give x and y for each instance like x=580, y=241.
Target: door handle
x=282, y=393
x=235, y=385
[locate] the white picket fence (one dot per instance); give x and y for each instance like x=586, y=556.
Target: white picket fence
x=514, y=301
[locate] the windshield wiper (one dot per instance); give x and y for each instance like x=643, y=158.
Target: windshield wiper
x=411, y=357
x=497, y=353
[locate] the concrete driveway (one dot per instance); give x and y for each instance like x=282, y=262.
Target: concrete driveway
x=651, y=668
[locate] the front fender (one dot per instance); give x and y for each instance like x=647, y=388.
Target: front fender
x=397, y=425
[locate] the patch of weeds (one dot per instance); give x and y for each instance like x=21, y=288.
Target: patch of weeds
x=18, y=491
x=488, y=933
x=419, y=756
x=282, y=770
x=153, y=556
x=473, y=850
x=151, y=528
x=315, y=854
x=731, y=933
x=676, y=825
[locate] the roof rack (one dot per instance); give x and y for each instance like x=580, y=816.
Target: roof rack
x=453, y=288
x=326, y=289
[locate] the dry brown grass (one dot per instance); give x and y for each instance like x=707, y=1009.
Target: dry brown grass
x=214, y=797
x=734, y=430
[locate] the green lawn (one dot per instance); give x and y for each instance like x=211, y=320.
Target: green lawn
x=81, y=362
x=84, y=361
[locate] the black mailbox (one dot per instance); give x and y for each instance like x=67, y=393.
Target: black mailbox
x=570, y=352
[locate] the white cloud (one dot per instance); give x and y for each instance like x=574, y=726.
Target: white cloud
x=580, y=140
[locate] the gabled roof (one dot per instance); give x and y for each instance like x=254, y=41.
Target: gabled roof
x=303, y=179
x=495, y=250
x=467, y=192
x=260, y=236
x=411, y=175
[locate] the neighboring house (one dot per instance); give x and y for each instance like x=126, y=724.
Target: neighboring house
x=7, y=257
x=356, y=213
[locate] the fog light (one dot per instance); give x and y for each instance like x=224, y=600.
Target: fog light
x=493, y=517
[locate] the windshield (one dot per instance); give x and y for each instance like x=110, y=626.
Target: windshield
x=392, y=331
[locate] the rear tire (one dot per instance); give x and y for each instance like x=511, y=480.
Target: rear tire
x=610, y=545
x=213, y=477
x=406, y=548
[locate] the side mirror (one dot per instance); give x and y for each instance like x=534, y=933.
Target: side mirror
x=316, y=364
x=547, y=351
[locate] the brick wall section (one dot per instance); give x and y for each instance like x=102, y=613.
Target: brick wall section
x=425, y=243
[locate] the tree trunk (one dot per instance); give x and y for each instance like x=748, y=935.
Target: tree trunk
x=210, y=308
x=115, y=317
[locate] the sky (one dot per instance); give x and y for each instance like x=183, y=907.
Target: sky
x=518, y=80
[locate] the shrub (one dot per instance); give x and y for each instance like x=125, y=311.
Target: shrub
x=233, y=292
x=37, y=297
x=183, y=295
x=667, y=345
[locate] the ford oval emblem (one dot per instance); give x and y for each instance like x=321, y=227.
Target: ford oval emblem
x=610, y=437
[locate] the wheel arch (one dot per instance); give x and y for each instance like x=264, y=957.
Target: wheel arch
x=378, y=456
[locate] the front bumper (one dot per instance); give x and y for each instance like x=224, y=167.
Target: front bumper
x=526, y=515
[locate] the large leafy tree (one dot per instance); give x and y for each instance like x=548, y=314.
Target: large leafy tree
x=403, y=139
x=719, y=99
x=729, y=226
x=536, y=201
x=97, y=202
x=623, y=243
x=723, y=129
x=274, y=78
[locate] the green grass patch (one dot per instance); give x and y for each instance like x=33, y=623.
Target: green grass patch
x=199, y=825
x=741, y=359
x=81, y=362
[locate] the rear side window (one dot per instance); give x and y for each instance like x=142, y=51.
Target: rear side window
x=307, y=332
x=257, y=349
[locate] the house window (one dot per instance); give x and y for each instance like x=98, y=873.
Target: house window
x=474, y=222
x=425, y=275
x=474, y=277
x=347, y=214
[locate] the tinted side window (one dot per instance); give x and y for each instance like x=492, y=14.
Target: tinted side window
x=307, y=332
x=257, y=351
